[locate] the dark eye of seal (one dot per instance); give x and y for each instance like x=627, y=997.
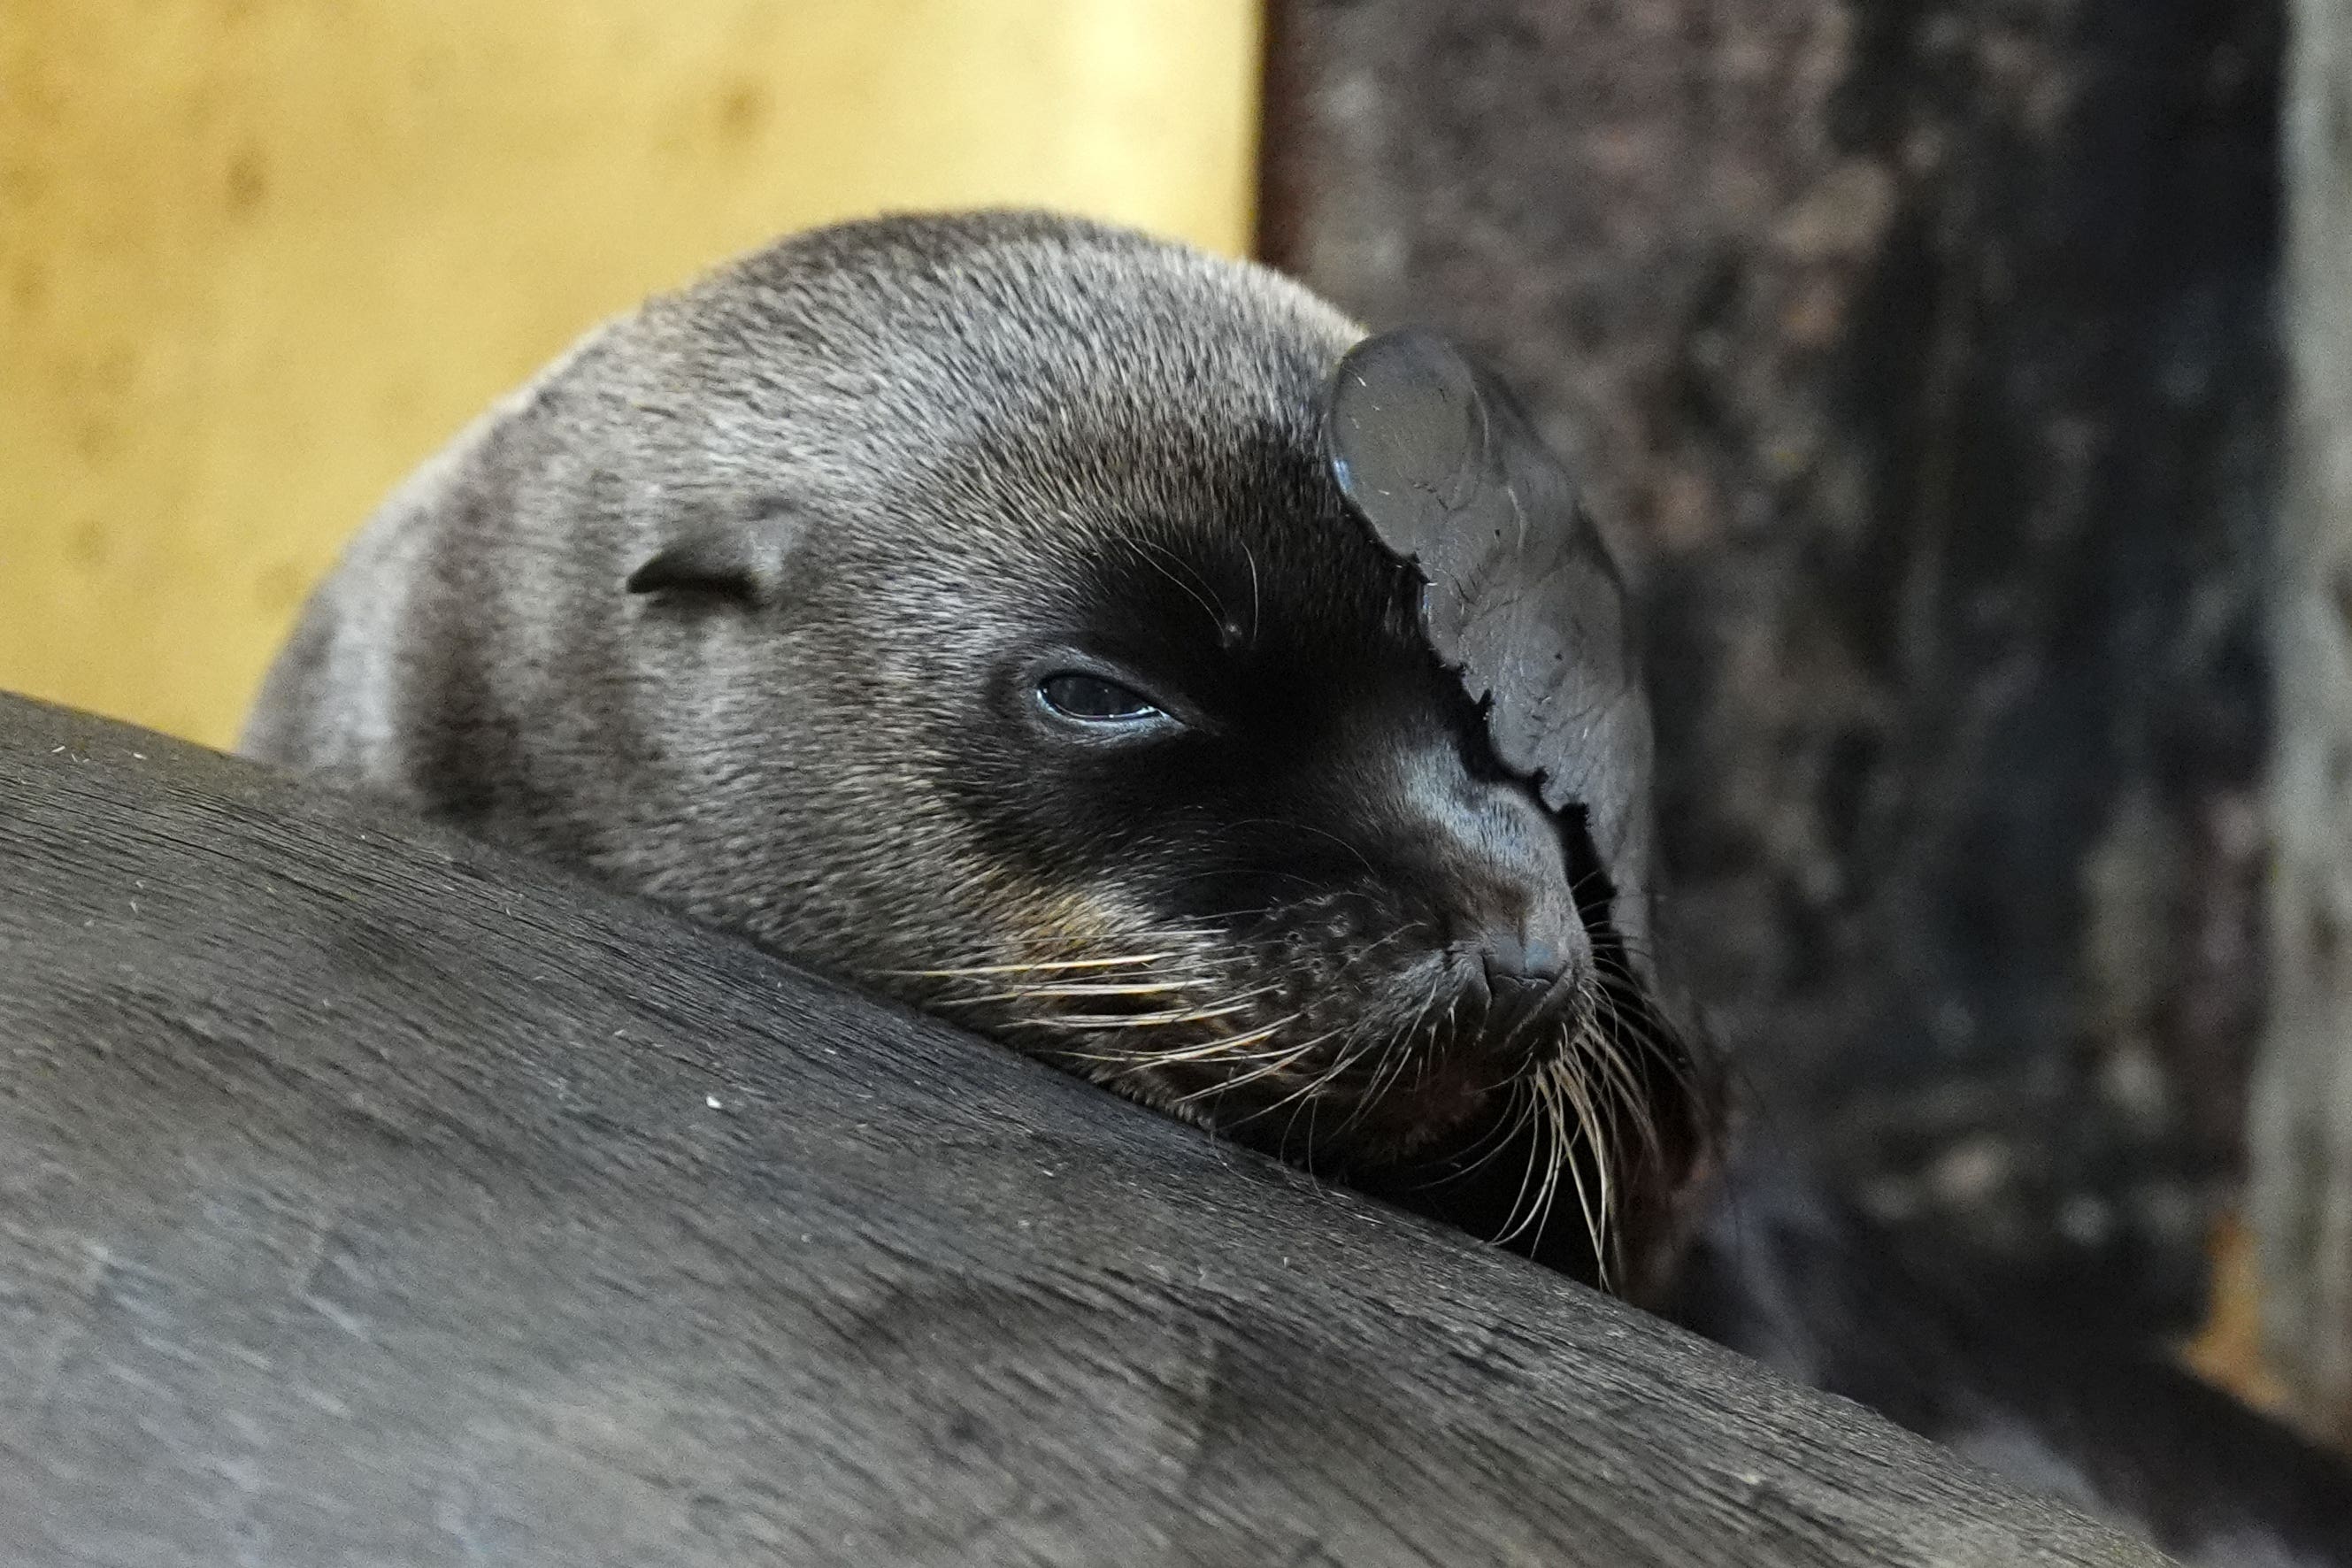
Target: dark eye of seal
x=1091, y=700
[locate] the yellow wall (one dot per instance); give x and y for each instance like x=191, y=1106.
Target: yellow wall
x=257, y=257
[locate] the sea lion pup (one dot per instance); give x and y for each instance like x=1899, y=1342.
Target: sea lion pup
x=966, y=605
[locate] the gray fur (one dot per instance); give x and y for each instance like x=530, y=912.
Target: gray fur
x=475, y=653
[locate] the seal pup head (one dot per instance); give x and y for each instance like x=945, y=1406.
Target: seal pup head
x=967, y=606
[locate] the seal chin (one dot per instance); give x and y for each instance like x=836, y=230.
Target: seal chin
x=1452, y=1099
x=1342, y=1119
x=1478, y=1081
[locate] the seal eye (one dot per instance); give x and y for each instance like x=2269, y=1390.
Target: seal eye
x=1094, y=700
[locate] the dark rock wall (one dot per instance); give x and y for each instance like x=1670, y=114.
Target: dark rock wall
x=1918, y=359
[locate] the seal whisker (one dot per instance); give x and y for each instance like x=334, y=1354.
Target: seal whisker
x=1519, y=1113
x=1599, y=1203
x=1138, y=1059
x=1532, y=1205
x=1593, y=1035
x=1278, y=1064
x=1396, y=1050
x=1026, y=992
x=1285, y=1059
x=1622, y=1082
x=1313, y=1088
x=1563, y=1089
x=1151, y=552
x=1383, y=1045
x=1215, y=1050
x=1544, y=1123
x=1128, y=961
x=1140, y=1020
x=1529, y=1018
x=1233, y=1048
x=1652, y=1040
x=1251, y=556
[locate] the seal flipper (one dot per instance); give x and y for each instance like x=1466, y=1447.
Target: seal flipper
x=732, y=552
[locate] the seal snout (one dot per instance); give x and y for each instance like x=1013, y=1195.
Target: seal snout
x=1497, y=867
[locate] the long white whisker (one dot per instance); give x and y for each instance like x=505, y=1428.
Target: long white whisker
x=1127, y=961
x=1088, y=1021
x=1026, y=992
x=1278, y=1065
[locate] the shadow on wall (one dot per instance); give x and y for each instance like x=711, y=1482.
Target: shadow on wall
x=261, y=257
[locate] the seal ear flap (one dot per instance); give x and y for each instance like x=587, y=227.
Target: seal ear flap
x=737, y=555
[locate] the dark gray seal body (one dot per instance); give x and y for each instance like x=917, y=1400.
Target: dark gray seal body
x=966, y=605
x=371, y=1196
x=970, y=606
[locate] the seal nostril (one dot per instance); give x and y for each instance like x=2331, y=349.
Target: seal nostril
x=1511, y=960
x=1516, y=975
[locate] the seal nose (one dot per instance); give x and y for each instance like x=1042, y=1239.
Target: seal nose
x=1495, y=866
x=1519, y=967
x=1515, y=959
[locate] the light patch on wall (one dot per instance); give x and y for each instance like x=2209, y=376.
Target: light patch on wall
x=258, y=258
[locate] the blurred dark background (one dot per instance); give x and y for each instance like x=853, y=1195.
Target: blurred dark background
x=1921, y=361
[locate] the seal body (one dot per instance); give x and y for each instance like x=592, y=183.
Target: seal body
x=965, y=605
x=968, y=606
x=374, y=1196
